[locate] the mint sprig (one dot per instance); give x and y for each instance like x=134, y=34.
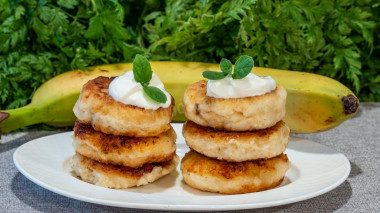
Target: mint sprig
x=142, y=72
x=155, y=94
x=213, y=75
x=243, y=67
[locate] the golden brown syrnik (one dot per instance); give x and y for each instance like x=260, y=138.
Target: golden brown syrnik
x=234, y=114
x=120, y=145
x=123, y=150
x=237, y=146
x=237, y=142
x=95, y=106
x=224, y=177
x=120, y=177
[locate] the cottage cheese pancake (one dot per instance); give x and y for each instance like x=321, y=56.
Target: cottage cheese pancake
x=123, y=150
x=224, y=177
x=120, y=177
x=96, y=107
x=237, y=146
x=234, y=114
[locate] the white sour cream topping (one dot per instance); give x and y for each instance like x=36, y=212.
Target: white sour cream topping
x=126, y=90
x=251, y=85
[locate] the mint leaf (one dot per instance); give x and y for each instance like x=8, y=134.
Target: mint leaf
x=243, y=67
x=142, y=71
x=155, y=94
x=225, y=66
x=213, y=75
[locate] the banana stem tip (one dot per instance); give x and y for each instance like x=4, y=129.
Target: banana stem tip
x=350, y=104
x=3, y=116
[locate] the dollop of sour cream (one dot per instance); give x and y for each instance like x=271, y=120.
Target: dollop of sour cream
x=251, y=85
x=126, y=90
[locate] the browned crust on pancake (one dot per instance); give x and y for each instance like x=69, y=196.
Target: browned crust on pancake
x=224, y=177
x=224, y=136
x=95, y=93
x=123, y=150
x=122, y=170
x=234, y=114
x=119, y=177
x=98, y=88
x=199, y=164
x=236, y=146
x=244, y=188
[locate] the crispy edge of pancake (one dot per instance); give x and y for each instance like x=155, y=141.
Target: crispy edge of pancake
x=224, y=177
x=223, y=136
x=123, y=150
x=236, y=146
x=120, y=177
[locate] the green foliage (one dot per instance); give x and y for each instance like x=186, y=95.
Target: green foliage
x=43, y=38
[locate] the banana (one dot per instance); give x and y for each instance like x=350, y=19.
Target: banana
x=314, y=103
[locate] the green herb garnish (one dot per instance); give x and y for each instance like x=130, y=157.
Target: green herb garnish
x=243, y=67
x=142, y=73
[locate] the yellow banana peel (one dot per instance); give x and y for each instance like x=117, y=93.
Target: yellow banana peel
x=314, y=103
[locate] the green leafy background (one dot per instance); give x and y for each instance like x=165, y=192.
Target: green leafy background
x=41, y=39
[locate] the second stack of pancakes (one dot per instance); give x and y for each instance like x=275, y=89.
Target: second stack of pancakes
x=236, y=144
x=118, y=145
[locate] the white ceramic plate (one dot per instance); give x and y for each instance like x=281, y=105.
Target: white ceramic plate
x=316, y=169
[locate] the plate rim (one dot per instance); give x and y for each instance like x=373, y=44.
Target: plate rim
x=183, y=207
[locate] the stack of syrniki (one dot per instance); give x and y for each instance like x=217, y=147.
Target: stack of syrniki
x=237, y=144
x=120, y=145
